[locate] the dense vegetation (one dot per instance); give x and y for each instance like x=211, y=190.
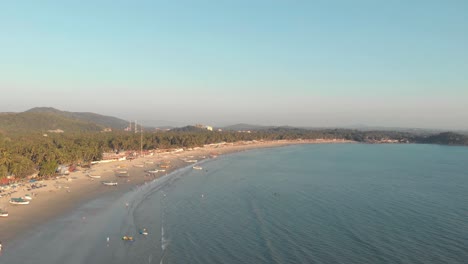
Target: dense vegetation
x=446, y=138
x=42, y=119
x=87, y=117
x=25, y=150
x=22, y=155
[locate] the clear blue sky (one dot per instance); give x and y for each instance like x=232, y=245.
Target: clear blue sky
x=311, y=63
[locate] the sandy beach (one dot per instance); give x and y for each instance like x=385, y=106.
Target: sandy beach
x=61, y=195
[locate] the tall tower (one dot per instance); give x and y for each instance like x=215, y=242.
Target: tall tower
x=141, y=141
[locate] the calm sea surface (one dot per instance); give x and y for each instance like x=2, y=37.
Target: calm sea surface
x=337, y=203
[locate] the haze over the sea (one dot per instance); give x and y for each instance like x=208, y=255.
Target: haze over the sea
x=300, y=63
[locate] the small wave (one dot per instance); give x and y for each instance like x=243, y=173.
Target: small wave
x=164, y=241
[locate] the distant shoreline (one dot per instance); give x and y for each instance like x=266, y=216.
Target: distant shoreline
x=63, y=195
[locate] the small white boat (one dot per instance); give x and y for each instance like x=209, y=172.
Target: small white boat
x=109, y=183
x=3, y=213
x=122, y=173
x=162, y=170
x=27, y=197
x=197, y=168
x=154, y=171
x=19, y=201
x=191, y=161
x=94, y=176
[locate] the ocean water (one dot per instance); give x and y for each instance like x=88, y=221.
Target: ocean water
x=334, y=203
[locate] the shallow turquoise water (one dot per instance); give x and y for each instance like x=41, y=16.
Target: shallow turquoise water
x=337, y=203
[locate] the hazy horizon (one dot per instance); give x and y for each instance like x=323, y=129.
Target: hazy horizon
x=320, y=64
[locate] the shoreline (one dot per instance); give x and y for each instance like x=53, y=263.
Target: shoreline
x=62, y=195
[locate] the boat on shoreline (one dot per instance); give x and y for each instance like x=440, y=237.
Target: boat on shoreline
x=27, y=197
x=94, y=176
x=19, y=201
x=109, y=183
x=122, y=173
x=154, y=171
x=3, y=213
x=197, y=168
x=191, y=161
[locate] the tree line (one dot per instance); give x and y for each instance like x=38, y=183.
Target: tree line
x=26, y=154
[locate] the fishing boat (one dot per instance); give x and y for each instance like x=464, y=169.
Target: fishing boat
x=191, y=161
x=94, y=176
x=19, y=201
x=122, y=173
x=197, y=168
x=127, y=238
x=3, y=213
x=144, y=232
x=153, y=171
x=109, y=183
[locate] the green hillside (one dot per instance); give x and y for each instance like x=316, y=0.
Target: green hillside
x=43, y=119
x=102, y=120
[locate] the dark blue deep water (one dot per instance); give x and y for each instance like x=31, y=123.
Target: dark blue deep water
x=335, y=203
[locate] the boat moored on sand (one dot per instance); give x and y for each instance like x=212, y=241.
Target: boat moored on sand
x=109, y=183
x=197, y=168
x=19, y=201
x=3, y=213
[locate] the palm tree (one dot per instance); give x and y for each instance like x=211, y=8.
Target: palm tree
x=5, y=159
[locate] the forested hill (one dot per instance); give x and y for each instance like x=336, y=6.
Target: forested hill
x=101, y=120
x=446, y=138
x=245, y=127
x=43, y=119
x=188, y=129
